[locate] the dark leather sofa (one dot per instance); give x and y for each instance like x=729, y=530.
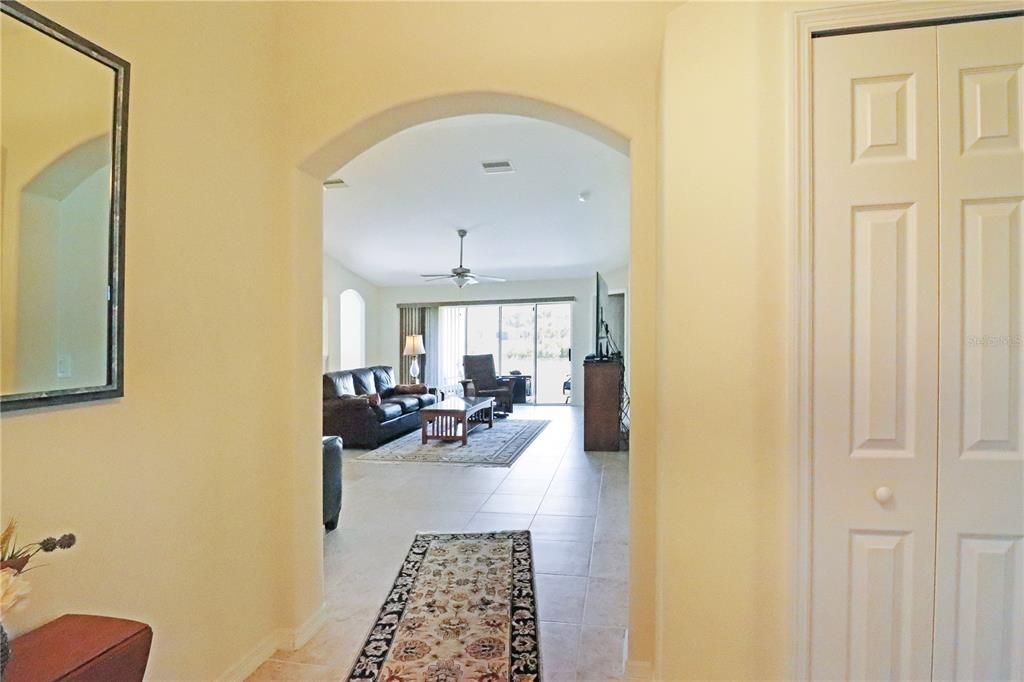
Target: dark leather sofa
x=360, y=424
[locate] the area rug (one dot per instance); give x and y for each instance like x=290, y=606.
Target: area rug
x=497, y=447
x=463, y=607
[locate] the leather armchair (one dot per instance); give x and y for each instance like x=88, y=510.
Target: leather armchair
x=482, y=380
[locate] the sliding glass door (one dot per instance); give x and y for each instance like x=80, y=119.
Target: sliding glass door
x=551, y=383
x=518, y=339
x=482, y=323
x=528, y=339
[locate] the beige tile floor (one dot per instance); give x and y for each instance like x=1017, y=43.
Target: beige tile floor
x=575, y=504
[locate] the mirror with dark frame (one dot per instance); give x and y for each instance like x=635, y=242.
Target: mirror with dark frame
x=62, y=198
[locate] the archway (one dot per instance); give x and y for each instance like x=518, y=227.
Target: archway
x=350, y=143
x=307, y=210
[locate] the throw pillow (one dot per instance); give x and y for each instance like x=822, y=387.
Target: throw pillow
x=354, y=401
x=411, y=389
x=373, y=398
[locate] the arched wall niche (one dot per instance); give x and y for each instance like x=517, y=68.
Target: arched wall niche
x=352, y=323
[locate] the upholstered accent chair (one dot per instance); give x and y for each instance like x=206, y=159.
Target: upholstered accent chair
x=332, y=481
x=482, y=380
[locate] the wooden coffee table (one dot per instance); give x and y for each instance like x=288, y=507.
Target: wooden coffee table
x=442, y=421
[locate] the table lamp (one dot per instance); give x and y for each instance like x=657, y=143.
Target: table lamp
x=414, y=347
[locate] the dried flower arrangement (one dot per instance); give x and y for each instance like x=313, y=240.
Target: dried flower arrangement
x=14, y=562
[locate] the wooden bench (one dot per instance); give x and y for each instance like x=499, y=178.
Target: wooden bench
x=83, y=649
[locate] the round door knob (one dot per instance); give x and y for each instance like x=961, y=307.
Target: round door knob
x=883, y=494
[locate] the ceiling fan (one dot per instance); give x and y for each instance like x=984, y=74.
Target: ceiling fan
x=462, y=276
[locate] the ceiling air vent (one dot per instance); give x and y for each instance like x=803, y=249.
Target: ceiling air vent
x=491, y=167
x=334, y=183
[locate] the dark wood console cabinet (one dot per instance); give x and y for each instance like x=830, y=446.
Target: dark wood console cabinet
x=602, y=402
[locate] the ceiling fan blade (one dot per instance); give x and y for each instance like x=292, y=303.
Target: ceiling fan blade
x=438, y=274
x=461, y=276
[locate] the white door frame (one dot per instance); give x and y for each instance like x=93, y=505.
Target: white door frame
x=802, y=25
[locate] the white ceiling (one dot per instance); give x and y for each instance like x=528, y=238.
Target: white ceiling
x=407, y=195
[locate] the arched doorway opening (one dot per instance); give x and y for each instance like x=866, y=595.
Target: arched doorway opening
x=349, y=144
x=309, y=204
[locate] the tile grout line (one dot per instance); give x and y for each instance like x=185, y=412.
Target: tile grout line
x=563, y=450
x=590, y=565
x=506, y=478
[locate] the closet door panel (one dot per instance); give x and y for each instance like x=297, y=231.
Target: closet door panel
x=875, y=355
x=979, y=615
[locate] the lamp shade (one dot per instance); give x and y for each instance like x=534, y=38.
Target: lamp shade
x=414, y=345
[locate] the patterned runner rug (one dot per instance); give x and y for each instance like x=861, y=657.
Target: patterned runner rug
x=498, y=447
x=463, y=608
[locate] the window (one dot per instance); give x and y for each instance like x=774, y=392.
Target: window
x=451, y=347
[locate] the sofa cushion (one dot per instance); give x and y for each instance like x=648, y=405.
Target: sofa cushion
x=363, y=381
x=337, y=384
x=385, y=378
x=387, y=411
x=354, y=402
x=426, y=399
x=408, y=403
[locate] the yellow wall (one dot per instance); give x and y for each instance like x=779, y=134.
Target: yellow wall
x=723, y=468
x=196, y=497
x=174, y=491
x=346, y=62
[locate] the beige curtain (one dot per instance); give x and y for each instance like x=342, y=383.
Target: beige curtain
x=411, y=320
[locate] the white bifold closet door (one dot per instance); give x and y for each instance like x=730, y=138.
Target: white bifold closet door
x=979, y=597
x=917, y=557
x=875, y=391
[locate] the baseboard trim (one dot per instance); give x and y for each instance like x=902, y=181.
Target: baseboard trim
x=297, y=638
x=639, y=670
x=281, y=638
x=252, y=660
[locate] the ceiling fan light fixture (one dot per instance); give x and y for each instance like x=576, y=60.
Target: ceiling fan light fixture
x=461, y=276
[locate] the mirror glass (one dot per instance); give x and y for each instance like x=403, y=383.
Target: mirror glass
x=60, y=216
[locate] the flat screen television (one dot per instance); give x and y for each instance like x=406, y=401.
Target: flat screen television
x=601, y=340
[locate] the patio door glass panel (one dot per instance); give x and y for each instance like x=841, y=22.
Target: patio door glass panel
x=554, y=368
x=518, y=328
x=482, y=331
